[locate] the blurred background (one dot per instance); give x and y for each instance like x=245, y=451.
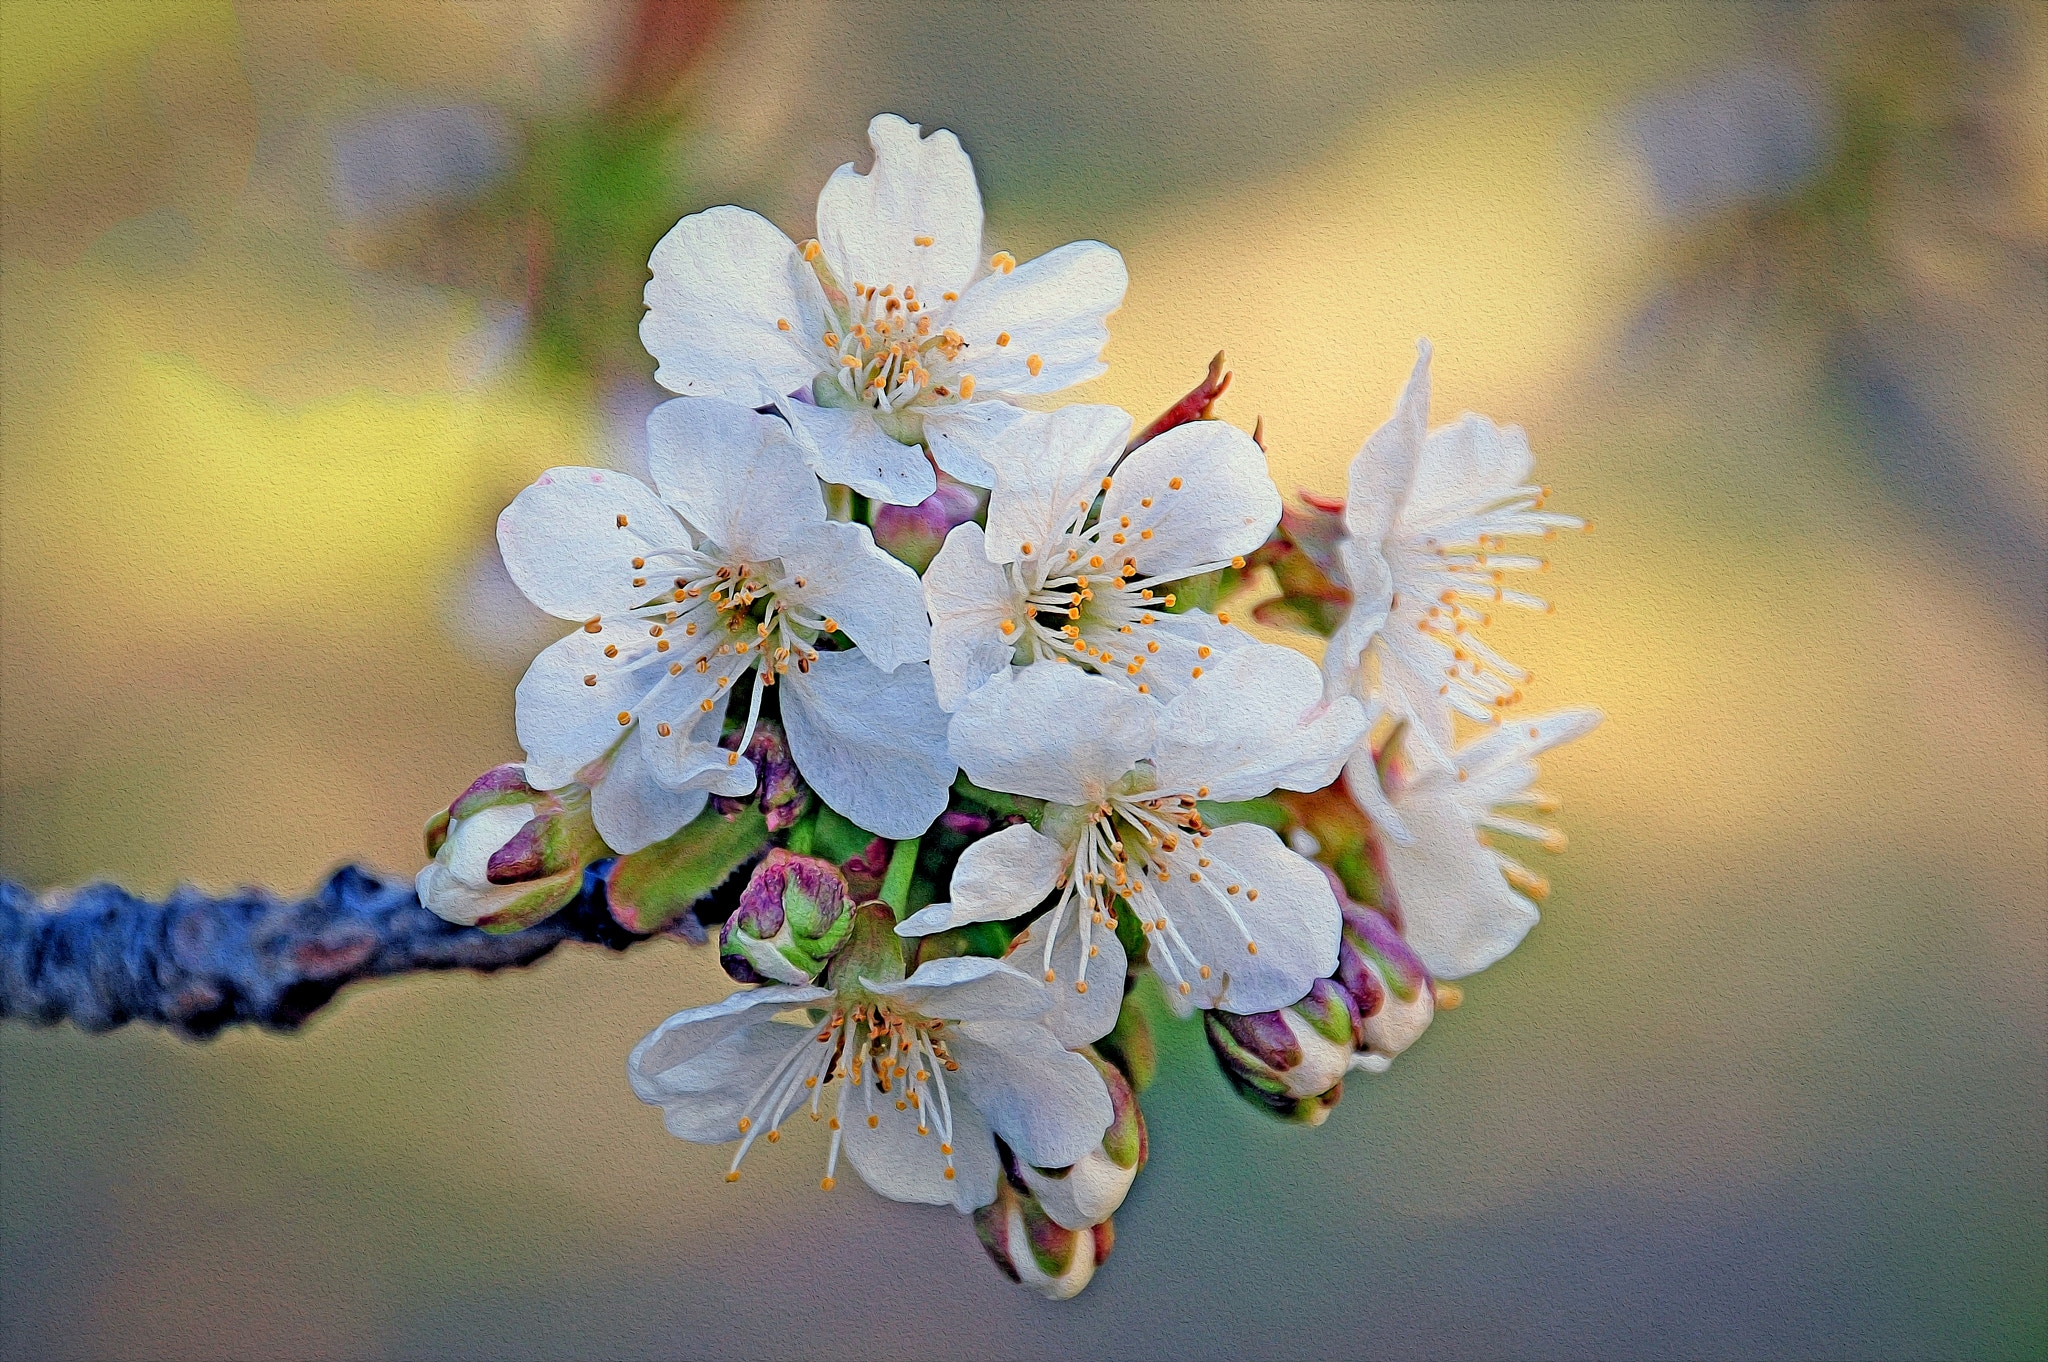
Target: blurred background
x=294, y=297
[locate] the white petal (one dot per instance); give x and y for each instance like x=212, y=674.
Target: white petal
x=1006, y=873
x=1471, y=460
x=1295, y=922
x=1054, y=309
x=1224, y=505
x=1456, y=910
x=702, y=1066
x=631, y=808
x=1047, y=1102
x=898, y=1163
x=870, y=224
x=1082, y=1194
x=1078, y=1018
x=1500, y=766
x=846, y=445
x=1048, y=466
x=969, y=598
x=1255, y=722
x=871, y=743
x=733, y=473
x=875, y=598
x=1371, y=583
x=1181, y=638
x=1051, y=732
x=563, y=725
x=689, y=757
x=723, y=279
x=961, y=434
x=968, y=988
x=1384, y=469
x=565, y=547
x=1362, y=780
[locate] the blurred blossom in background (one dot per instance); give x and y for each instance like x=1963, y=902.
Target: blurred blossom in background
x=294, y=297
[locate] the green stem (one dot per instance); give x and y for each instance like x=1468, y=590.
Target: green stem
x=896, y=883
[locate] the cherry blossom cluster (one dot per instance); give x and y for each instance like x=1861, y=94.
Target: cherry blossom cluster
x=922, y=691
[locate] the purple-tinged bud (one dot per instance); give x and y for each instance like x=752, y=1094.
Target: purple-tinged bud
x=866, y=871
x=914, y=534
x=779, y=792
x=967, y=823
x=793, y=915
x=1388, y=985
x=1088, y=1191
x=506, y=855
x=1291, y=1061
x=1031, y=1248
x=1303, y=555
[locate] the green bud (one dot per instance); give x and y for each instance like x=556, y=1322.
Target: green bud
x=794, y=914
x=506, y=855
x=656, y=885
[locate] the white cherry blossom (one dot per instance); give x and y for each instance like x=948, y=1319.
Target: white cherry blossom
x=1462, y=903
x=1427, y=518
x=732, y=572
x=1234, y=918
x=926, y=1069
x=887, y=332
x=1078, y=561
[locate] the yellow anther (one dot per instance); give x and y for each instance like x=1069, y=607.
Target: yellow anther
x=782, y=323
x=1095, y=560
x=921, y=241
x=624, y=718
x=1025, y=548
x=592, y=626
x=1002, y=262
x=812, y=250
x=827, y=1184
x=1174, y=483
x=1008, y=626
x=746, y=1124
x=1223, y=617
x=966, y=386
x=1185, y=989
x=1195, y=672
x=950, y=296
x=1252, y=894
x=1003, y=338
x=663, y=729
x=1034, y=364
x=1202, y=652
x=622, y=522
x=1448, y=996
x=733, y=1176
x=874, y=1123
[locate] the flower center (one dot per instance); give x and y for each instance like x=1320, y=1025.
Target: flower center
x=1081, y=598
x=879, y=1056
x=888, y=348
x=1128, y=845
x=714, y=618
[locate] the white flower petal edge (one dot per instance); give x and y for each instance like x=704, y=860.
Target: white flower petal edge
x=1427, y=518
x=963, y=1040
x=1233, y=917
x=871, y=743
x=1064, y=582
x=854, y=336
x=1463, y=905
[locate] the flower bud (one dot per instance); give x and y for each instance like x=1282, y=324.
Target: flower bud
x=793, y=915
x=1089, y=1191
x=914, y=534
x=506, y=855
x=1031, y=1248
x=1303, y=555
x=1291, y=1061
x=779, y=791
x=1387, y=984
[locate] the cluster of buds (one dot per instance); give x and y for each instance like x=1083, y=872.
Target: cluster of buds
x=1050, y=1228
x=932, y=700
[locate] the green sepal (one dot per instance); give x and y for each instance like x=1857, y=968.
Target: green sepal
x=436, y=833
x=650, y=888
x=872, y=951
x=827, y=833
x=542, y=901
x=990, y=939
x=1267, y=813
x=996, y=802
x=1129, y=1044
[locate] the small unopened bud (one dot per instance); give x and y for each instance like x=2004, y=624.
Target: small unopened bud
x=1031, y=1248
x=1291, y=1061
x=1387, y=984
x=779, y=792
x=506, y=855
x=914, y=534
x=793, y=915
x=1089, y=1191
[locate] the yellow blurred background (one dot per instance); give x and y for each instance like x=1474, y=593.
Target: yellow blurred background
x=294, y=296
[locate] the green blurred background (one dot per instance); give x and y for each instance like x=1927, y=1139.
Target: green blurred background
x=295, y=296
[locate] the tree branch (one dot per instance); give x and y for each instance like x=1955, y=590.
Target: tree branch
x=196, y=963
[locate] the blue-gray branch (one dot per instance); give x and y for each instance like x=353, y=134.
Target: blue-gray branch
x=196, y=963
